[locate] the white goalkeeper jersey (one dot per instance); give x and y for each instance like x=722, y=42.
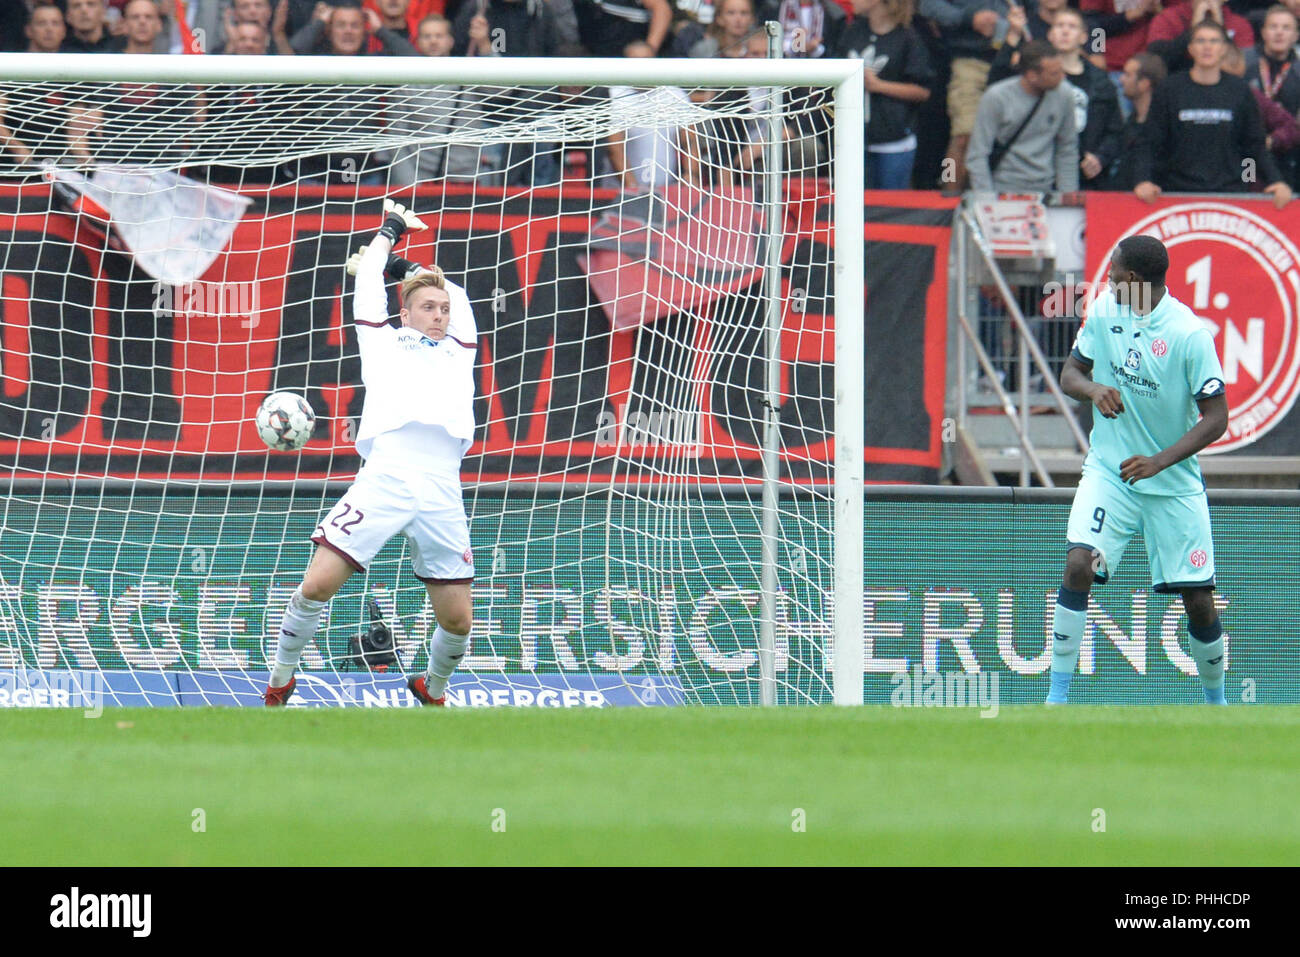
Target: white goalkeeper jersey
x=416, y=389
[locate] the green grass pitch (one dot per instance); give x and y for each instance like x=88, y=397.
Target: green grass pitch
x=876, y=785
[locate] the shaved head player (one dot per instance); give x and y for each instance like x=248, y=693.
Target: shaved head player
x=1147, y=364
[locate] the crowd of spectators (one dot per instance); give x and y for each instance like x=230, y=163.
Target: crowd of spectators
x=1142, y=95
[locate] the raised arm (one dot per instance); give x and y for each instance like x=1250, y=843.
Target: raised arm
x=83, y=123
x=9, y=140
x=661, y=17
x=305, y=40
x=279, y=29
x=370, y=297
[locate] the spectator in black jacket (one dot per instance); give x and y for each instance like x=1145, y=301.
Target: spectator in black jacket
x=1142, y=74
x=505, y=28
x=87, y=28
x=12, y=19
x=1204, y=133
x=1097, y=113
x=1040, y=16
x=974, y=31
x=606, y=27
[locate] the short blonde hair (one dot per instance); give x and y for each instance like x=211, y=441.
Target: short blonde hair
x=433, y=277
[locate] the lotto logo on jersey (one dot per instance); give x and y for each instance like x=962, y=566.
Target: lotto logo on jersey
x=468, y=557
x=1198, y=558
x=1132, y=360
x=1236, y=266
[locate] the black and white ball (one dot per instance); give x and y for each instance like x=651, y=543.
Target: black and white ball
x=285, y=421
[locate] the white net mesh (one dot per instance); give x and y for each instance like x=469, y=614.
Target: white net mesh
x=173, y=253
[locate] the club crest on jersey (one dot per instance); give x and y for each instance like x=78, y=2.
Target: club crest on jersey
x=1198, y=558
x=1132, y=360
x=1159, y=347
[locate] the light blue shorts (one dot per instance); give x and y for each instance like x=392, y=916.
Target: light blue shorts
x=1106, y=514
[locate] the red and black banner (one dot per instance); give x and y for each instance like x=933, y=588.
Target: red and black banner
x=106, y=372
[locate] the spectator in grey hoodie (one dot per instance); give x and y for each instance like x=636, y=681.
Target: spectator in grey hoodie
x=442, y=109
x=1045, y=154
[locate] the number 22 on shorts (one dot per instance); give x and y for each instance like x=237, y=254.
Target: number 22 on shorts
x=346, y=529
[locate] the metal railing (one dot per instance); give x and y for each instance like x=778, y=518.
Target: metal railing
x=972, y=248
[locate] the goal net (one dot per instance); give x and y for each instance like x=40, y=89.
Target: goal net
x=664, y=491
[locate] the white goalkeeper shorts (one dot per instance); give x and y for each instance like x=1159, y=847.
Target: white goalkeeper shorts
x=429, y=512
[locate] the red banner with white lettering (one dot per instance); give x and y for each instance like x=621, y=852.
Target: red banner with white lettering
x=1234, y=263
x=107, y=372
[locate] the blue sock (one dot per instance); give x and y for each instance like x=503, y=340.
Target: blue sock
x=1067, y=634
x=1207, y=652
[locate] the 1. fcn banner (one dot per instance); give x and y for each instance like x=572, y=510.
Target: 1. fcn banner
x=1234, y=263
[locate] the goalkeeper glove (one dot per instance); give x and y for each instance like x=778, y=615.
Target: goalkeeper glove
x=354, y=261
x=396, y=269
x=399, y=269
x=397, y=220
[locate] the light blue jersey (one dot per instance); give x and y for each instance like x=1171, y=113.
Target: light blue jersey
x=1161, y=363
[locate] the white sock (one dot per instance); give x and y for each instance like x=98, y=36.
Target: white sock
x=1208, y=656
x=1068, y=625
x=445, y=652
x=1067, y=636
x=301, y=619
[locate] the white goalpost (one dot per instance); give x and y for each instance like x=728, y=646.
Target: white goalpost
x=665, y=260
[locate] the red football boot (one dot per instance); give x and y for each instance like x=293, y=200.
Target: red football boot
x=417, y=687
x=277, y=697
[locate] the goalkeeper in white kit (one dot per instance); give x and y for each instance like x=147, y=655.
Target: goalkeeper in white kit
x=416, y=425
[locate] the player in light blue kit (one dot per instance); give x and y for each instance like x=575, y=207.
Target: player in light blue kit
x=1148, y=365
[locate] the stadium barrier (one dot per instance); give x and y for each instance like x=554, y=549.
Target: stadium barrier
x=958, y=582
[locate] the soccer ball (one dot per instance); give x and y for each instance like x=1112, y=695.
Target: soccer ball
x=285, y=421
